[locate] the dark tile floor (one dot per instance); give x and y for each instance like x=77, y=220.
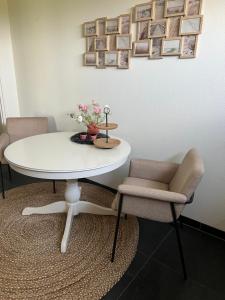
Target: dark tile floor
x=156, y=274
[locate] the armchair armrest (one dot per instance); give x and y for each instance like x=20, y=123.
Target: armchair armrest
x=153, y=170
x=4, y=142
x=144, y=192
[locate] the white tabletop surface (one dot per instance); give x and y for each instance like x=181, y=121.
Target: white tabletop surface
x=54, y=156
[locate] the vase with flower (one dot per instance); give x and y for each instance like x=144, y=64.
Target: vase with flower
x=90, y=115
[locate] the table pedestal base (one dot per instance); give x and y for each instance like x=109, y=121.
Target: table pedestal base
x=73, y=206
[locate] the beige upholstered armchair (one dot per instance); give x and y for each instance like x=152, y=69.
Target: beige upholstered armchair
x=159, y=191
x=19, y=128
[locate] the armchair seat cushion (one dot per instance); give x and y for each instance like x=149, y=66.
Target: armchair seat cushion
x=145, y=207
x=146, y=183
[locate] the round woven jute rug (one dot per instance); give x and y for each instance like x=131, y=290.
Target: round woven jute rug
x=31, y=264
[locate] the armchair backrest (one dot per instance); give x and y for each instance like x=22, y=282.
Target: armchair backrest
x=188, y=174
x=19, y=128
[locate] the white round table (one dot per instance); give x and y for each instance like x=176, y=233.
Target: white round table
x=54, y=156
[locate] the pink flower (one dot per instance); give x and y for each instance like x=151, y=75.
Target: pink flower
x=83, y=107
x=97, y=110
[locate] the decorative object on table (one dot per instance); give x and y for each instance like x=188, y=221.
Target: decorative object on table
x=107, y=142
x=159, y=23
x=30, y=247
x=84, y=138
x=90, y=115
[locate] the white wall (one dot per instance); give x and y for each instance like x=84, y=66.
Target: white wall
x=163, y=107
x=8, y=91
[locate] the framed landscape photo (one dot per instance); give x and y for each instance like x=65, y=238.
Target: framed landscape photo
x=142, y=30
x=158, y=9
x=111, y=58
x=90, y=28
x=158, y=28
x=171, y=46
x=173, y=27
x=189, y=46
x=124, y=59
x=125, y=23
x=101, y=26
x=155, y=48
x=124, y=42
x=101, y=60
x=112, y=26
x=141, y=48
x=175, y=8
x=143, y=12
x=194, y=7
x=101, y=43
x=90, y=59
x=90, y=44
x=190, y=25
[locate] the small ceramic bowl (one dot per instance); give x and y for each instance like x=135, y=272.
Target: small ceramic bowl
x=83, y=137
x=93, y=137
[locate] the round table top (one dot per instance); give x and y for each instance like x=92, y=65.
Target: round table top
x=54, y=156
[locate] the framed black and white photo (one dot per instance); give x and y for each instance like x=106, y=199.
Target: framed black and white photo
x=190, y=25
x=112, y=26
x=90, y=59
x=189, y=46
x=142, y=30
x=175, y=8
x=143, y=12
x=90, y=44
x=158, y=28
x=156, y=48
x=124, y=59
x=125, y=23
x=101, y=43
x=111, y=58
x=123, y=42
x=141, y=48
x=171, y=46
x=90, y=28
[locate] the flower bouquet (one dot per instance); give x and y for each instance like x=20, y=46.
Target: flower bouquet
x=89, y=115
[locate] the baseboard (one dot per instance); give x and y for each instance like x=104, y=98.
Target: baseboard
x=187, y=221
x=203, y=227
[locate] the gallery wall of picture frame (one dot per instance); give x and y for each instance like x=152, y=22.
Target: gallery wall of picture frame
x=163, y=28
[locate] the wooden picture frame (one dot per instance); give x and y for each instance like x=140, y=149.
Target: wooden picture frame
x=124, y=42
x=124, y=59
x=171, y=46
x=173, y=26
x=143, y=12
x=142, y=48
x=193, y=7
x=111, y=58
x=189, y=46
x=158, y=28
x=90, y=59
x=189, y=25
x=175, y=8
x=112, y=26
x=102, y=43
x=158, y=9
x=155, y=48
x=101, y=25
x=125, y=23
x=90, y=28
x=90, y=44
x=142, y=30
x=101, y=60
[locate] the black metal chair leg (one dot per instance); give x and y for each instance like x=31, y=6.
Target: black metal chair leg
x=117, y=227
x=54, y=187
x=9, y=172
x=125, y=216
x=178, y=239
x=2, y=181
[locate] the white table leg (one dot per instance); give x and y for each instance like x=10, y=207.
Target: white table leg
x=72, y=206
x=53, y=208
x=66, y=235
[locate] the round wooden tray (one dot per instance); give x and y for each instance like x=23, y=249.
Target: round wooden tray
x=110, y=126
x=101, y=143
